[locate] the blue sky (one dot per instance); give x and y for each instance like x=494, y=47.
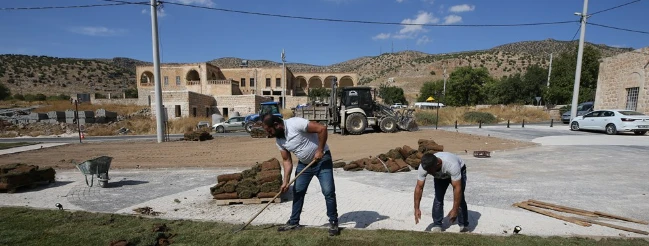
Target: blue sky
x=196, y=35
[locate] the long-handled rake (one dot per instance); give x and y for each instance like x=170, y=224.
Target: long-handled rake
x=278, y=193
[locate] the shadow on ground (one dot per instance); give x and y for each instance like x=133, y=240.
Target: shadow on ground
x=474, y=217
x=361, y=219
x=125, y=183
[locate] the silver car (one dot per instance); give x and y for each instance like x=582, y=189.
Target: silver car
x=582, y=108
x=232, y=124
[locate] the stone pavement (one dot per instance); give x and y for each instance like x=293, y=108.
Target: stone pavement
x=603, y=178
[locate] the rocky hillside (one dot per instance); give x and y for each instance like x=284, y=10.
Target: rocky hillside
x=410, y=69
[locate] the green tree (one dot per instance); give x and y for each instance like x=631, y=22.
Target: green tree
x=4, y=92
x=392, y=94
x=466, y=86
x=534, y=84
x=506, y=90
x=431, y=88
x=563, y=76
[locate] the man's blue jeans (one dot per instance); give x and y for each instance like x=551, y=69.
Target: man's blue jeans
x=323, y=170
x=438, y=205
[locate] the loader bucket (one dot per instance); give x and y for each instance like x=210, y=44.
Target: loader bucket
x=406, y=120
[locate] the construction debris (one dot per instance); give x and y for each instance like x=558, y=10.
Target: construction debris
x=400, y=159
x=146, y=211
x=263, y=180
x=17, y=175
x=535, y=206
x=200, y=135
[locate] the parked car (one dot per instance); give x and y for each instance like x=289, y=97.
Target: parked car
x=233, y=124
x=612, y=121
x=582, y=108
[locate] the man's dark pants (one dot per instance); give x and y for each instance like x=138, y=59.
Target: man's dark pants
x=323, y=170
x=438, y=205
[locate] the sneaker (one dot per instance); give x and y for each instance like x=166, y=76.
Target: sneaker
x=289, y=227
x=464, y=229
x=436, y=229
x=333, y=229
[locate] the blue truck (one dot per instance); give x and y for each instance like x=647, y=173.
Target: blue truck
x=272, y=107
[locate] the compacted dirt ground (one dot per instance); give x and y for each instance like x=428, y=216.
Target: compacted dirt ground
x=244, y=151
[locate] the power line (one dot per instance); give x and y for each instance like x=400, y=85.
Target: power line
x=617, y=28
x=615, y=7
x=368, y=22
x=577, y=32
x=68, y=7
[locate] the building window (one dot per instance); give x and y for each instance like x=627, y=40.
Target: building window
x=178, y=80
x=632, y=98
x=193, y=111
x=278, y=82
x=267, y=82
x=252, y=82
x=243, y=82
x=166, y=81
x=178, y=111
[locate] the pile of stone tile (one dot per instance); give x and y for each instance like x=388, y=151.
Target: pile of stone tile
x=400, y=159
x=14, y=176
x=263, y=180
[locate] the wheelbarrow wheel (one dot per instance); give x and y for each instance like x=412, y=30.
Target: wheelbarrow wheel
x=103, y=183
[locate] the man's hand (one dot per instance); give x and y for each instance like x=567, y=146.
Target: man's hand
x=318, y=154
x=284, y=187
x=452, y=215
x=417, y=215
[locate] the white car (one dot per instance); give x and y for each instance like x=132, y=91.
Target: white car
x=612, y=121
x=233, y=124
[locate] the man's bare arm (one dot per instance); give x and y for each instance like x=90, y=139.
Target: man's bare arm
x=457, y=194
x=321, y=130
x=419, y=189
x=287, y=163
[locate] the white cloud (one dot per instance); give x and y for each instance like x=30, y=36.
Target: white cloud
x=161, y=12
x=206, y=3
x=421, y=18
x=381, y=36
x=423, y=40
x=461, y=8
x=451, y=19
x=400, y=1
x=98, y=31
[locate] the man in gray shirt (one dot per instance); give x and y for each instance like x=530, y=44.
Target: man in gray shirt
x=308, y=142
x=446, y=168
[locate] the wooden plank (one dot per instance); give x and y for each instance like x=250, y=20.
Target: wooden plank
x=559, y=206
x=602, y=214
x=589, y=214
x=550, y=214
x=247, y=201
x=613, y=226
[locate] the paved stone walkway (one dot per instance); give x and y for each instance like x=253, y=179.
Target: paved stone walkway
x=29, y=148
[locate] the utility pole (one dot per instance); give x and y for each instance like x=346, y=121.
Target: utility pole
x=284, y=86
x=580, y=53
x=550, y=70
x=444, y=93
x=156, y=70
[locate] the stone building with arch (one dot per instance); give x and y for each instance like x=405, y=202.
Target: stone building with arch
x=623, y=82
x=202, y=89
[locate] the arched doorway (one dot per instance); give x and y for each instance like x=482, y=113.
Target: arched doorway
x=300, y=86
x=328, y=81
x=315, y=82
x=146, y=78
x=193, y=78
x=346, y=81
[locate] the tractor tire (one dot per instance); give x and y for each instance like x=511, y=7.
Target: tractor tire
x=388, y=124
x=356, y=123
x=248, y=126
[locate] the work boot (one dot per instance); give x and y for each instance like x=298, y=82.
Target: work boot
x=333, y=229
x=290, y=227
x=464, y=229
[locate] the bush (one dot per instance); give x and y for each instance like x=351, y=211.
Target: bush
x=475, y=117
x=425, y=118
x=200, y=135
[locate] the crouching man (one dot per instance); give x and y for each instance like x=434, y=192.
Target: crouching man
x=446, y=168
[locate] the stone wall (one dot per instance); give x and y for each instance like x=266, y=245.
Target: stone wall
x=616, y=74
x=183, y=103
x=120, y=101
x=244, y=104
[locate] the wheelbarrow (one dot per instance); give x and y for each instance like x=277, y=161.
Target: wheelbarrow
x=98, y=166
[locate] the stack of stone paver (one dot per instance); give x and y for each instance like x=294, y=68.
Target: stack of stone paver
x=263, y=180
x=400, y=159
x=13, y=176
